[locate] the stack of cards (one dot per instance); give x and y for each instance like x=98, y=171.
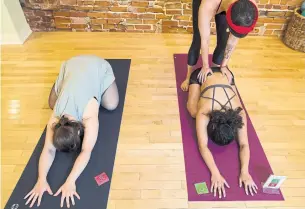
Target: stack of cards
x=101, y=179
x=201, y=188
x=273, y=183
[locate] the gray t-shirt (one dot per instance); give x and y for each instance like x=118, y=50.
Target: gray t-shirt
x=80, y=79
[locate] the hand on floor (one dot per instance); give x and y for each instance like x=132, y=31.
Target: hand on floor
x=250, y=186
x=218, y=183
x=68, y=190
x=37, y=192
x=185, y=85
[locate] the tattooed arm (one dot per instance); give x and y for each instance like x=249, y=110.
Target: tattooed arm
x=232, y=42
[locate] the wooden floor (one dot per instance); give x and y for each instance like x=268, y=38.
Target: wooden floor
x=149, y=166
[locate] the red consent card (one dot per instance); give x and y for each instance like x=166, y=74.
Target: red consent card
x=101, y=178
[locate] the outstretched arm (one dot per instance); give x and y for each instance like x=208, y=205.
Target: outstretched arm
x=218, y=183
x=244, y=155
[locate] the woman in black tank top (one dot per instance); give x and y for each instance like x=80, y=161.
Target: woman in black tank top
x=220, y=117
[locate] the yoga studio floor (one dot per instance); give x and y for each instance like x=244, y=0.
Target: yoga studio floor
x=149, y=168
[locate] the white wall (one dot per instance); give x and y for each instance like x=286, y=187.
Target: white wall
x=14, y=27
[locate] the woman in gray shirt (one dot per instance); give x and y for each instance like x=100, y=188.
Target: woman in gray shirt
x=83, y=85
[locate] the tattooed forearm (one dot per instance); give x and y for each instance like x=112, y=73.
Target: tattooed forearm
x=228, y=51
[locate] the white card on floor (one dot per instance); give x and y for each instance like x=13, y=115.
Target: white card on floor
x=274, y=182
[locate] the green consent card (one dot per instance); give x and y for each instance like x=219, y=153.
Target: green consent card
x=201, y=188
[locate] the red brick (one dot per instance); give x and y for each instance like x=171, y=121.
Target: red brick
x=61, y=13
x=33, y=19
x=263, y=1
x=77, y=20
x=182, y=17
x=113, y=15
x=129, y=27
x=276, y=7
x=162, y=16
x=170, y=22
x=128, y=15
x=213, y=31
x=189, y=29
x=108, y=26
x=98, y=21
x=173, y=6
x=103, y=3
x=159, y=3
x=150, y=21
x=259, y=24
x=79, y=26
x=274, y=26
x=147, y=16
x=118, y=9
x=260, y=6
x=88, y=2
x=277, y=32
x=143, y=26
x=187, y=6
x=173, y=29
x=133, y=21
x=187, y=12
x=97, y=14
x=100, y=9
x=84, y=8
x=114, y=21
x=96, y=27
x=186, y=1
x=137, y=9
x=268, y=32
x=284, y=7
x=62, y=26
x=275, y=14
x=139, y=3
x=274, y=1
x=155, y=10
x=174, y=12
x=67, y=2
x=60, y=20
x=149, y=31
x=185, y=23
x=268, y=6
x=78, y=14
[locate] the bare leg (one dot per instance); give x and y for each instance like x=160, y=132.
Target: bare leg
x=110, y=98
x=193, y=98
x=52, y=97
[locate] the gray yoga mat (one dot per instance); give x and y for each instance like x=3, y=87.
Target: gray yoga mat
x=102, y=159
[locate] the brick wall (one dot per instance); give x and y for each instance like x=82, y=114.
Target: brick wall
x=155, y=16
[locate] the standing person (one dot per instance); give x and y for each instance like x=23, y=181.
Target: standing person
x=83, y=85
x=234, y=19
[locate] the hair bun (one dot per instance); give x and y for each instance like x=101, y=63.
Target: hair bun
x=63, y=121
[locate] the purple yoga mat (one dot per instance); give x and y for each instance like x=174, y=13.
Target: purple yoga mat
x=226, y=158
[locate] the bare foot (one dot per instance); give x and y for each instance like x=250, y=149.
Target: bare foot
x=185, y=85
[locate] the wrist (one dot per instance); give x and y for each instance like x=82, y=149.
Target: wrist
x=244, y=171
x=70, y=180
x=215, y=172
x=42, y=178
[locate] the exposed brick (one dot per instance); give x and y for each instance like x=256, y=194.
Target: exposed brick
x=274, y=26
x=128, y=15
x=155, y=10
x=84, y=8
x=113, y=21
x=187, y=12
x=97, y=14
x=150, y=21
x=142, y=26
x=79, y=26
x=61, y=13
x=277, y=32
x=133, y=31
x=78, y=14
x=275, y=14
x=289, y=14
x=274, y=1
x=276, y=6
x=268, y=32
x=291, y=7
x=96, y=27
x=284, y=7
x=108, y=26
x=136, y=9
x=263, y=1
x=159, y=3
x=186, y=1
x=189, y=29
x=103, y=3
x=100, y=8
x=98, y=21
x=182, y=17
x=187, y=6
x=173, y=6
x=268, y=6
x=60, y=20
x=185, y=23
x=174, y=12
x=33, y=19
x=118, y=9
x=129, y=27
x=147, y=16
x=88, y=2
x=134, y=21
x=139, y=3
x=170, y=22
x=283, y=2
x=173, y=29
x=67, y=2
x=165, y=17
x=260, y=6
x=259, y=24
x=62, y=25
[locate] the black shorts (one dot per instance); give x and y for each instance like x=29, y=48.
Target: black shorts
x=194, y=75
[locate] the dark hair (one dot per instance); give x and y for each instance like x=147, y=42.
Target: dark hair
x=68, y=135
x=243, y=13
x=223, y=126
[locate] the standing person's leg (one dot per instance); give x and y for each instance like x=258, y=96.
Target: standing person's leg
x=194, y=50
x=110, y=98
x=222, y=30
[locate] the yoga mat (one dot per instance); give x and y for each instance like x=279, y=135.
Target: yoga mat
x=226, y=157
x=102, y=160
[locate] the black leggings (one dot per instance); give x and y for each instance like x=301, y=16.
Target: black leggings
x=222, y=37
